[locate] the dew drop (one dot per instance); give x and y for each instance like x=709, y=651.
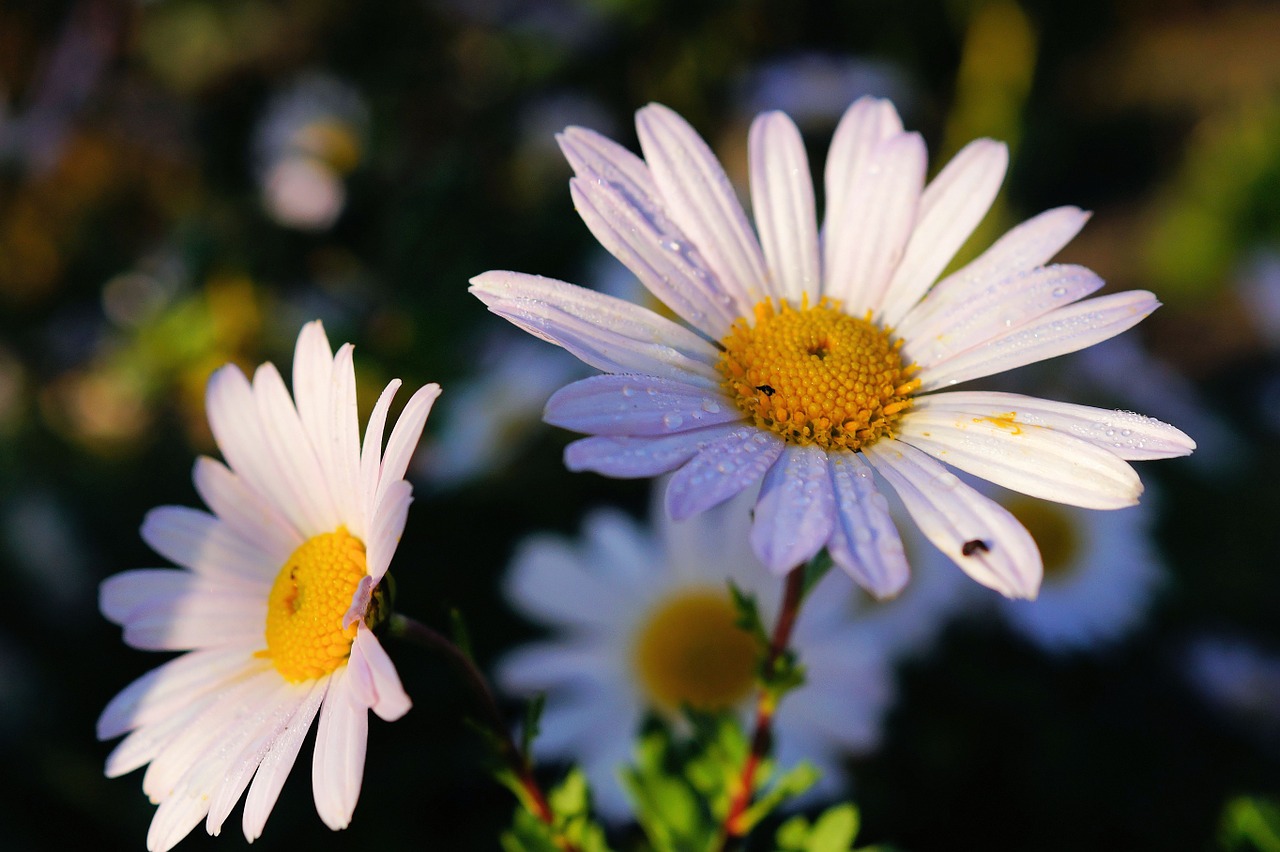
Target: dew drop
x=672, y=421
x=1059, y=292
x=711, y=406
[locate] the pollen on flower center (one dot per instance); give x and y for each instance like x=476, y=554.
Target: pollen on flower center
x=816, y=375
x=311, y=594
x=690, y=652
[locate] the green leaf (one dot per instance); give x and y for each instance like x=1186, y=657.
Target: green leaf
x=834, y=831
x=1250, y=823
x=815, y=570
x=570, y=804
x=532, y=724
x=748, y=616
x=795, y=781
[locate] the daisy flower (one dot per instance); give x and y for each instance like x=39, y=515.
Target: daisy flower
x=272, y=601
x=1100, y=574
x=813, y=356
x=642, y=621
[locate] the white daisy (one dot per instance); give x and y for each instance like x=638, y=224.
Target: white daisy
x=270, y=600
x=815, y=352
x=643, y=621
x=1101, y=573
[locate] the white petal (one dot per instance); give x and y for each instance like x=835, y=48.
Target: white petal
x=240, y=755
x=343, y=435
x=782, y=197
x=875, y=225
x=199, y=541
x=245, y=511
x=387, y=527
x=668, y=266
x=170, y=610
x=164, y=689
x=1023, y=248
x=338, y=766
x=304, y=481
x=1001, y=553
x=313, y=385
x=698, y=197
x=610, y=334
x=596, y=157
x=615, y=195
x=404, y=439
x=865, y=543
x=627, y=457
x=173, y=821
x=141, y=746
x=375, y=682
x=275, y=766
x=997, y=310
x=1129, y=436
x=236, y=421
x=371, y=450
x=233, y=419
x=867, y=123
x=1067, y=330
x=795, y=512
x=636, y=405
x=951, y=207
x=1031, y=459
x=721, y=470
x=201, y=737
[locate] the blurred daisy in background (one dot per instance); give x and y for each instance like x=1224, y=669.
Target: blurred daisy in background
x=311, y=136
x=814, y=356
x=274, y=598
x=642, y=622
x=1101, y=574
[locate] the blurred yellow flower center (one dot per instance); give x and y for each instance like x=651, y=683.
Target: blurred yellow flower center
x=305, y=637
x=689, y=651
x=816, y=375
x=1054, y=530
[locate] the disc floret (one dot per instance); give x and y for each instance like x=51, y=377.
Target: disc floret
x=816, y=375
x=313, y=591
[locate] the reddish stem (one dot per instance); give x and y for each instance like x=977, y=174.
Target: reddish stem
x=735, y=827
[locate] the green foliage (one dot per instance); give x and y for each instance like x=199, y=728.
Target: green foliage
x=571, y=826
x=833, y=831
x=748, y=619
x=1250, y=824
x=682, y=786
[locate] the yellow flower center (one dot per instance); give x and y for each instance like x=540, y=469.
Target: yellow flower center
x=690, y=652
x=816, y=375
x=305, y=637
x=1054, y=530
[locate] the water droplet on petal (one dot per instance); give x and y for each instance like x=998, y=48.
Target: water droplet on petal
x=672, y=421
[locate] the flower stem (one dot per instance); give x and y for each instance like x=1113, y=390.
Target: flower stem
x=521, y=770
x=735, y=823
